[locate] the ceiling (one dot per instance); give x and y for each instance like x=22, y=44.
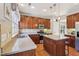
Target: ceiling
x=45, y=10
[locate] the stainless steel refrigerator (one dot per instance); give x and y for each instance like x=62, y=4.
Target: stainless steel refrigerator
x=77, y=36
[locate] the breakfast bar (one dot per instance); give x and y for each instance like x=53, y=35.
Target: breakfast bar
x=55, y=45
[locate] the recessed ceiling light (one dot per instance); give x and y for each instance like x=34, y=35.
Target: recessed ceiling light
x=32, y=7
x=55, y=13
x=59, y=17
x=22, y=4
x=44, y=10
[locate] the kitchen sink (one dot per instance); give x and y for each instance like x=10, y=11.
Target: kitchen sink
x=22, y=35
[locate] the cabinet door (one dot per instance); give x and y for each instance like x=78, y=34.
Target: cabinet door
x=46, y=44
x=34, y=22
x=72, y=19
x=26, y=21
x=60, y=48
x=70, y=22
x=73, y=41
x=40, y=21
x=76, y=17
x=53, y=49
x=30, y=23
x=22, y=17
x=22, y=22
x=47, y=23
x=50, y=46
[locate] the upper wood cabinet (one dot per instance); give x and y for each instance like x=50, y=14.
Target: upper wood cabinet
x=71, y=19
x=33, y=22
x=76, y=17
x=47, y=23
x=70, y=22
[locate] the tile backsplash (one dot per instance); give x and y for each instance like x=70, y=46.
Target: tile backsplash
x=29, y=31
x=71, y=31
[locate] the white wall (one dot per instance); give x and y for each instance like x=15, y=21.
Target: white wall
x=56, y=26
x=56, y=29
x=5, y=26
x=1, y=10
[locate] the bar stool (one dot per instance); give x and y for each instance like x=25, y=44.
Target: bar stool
x=67, y=47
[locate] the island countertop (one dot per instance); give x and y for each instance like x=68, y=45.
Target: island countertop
x=21, y=45
x=56, y=37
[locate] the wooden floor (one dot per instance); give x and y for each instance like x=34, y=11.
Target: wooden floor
x=41, y=52
x=73, y=52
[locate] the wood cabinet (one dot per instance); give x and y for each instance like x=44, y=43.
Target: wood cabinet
x=71, y=19
x=35, y=38
x=54, y=47
x=49, y=46
x=76, y=17
x=71, y=40
x=47, y=23
x=30, y=22
x=70, y=22
x=24, y=22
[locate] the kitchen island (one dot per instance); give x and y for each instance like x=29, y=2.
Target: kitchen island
x=20, y=47
x=55, y=45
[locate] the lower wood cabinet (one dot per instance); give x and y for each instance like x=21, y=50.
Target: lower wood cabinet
x=54, y=47
x=71, y=40
x=35, y=38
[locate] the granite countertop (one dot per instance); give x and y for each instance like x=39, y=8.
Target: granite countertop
x=70, y=34
x=21, y=45
x=56, y=37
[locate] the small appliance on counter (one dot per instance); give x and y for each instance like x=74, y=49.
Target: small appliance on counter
x=77, y=36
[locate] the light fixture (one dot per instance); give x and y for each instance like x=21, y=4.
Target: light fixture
x=59, y=17
x=32, y=7
x=22, y=4
x=44, y=10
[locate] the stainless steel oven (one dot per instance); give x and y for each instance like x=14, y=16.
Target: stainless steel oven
x=77, y=33
x=77, y=36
